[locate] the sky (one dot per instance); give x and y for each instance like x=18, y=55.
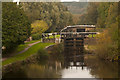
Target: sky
x=16, y=1
x=73, y=0
x=61, y=0
x=69, y=0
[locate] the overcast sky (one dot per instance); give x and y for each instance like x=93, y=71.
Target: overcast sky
x=61, y=0
x=69, y=0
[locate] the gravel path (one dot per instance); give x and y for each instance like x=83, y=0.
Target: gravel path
x=29, y=45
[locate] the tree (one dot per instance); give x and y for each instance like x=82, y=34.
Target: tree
x=108, y=41
x=92, y=13
x=112, y=14
x=50, y=12
x=90, y=17
x=39, y=26
x=102, y=14
x=15, y=25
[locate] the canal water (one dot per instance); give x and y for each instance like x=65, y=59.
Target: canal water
x=63, y=66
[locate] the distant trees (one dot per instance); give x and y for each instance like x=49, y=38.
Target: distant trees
x=76, y=7
x=102, y=14
x=107, y=45
x=105, y=16
x=108, y=18
x=92, y=13
x=15, y=25
x=90, y=17
x=54, y=14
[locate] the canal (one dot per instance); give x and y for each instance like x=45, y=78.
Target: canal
x=60, y=65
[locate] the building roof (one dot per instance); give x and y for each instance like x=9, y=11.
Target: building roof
x=79, y=26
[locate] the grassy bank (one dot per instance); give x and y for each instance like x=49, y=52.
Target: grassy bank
x=90, y=35
x=33, y=41
x=19, y=48
x=32, y=50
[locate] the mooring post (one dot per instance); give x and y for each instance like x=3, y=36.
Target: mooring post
x=92, y=35
x=48, y=37
x=42, y=40
x=53, y=37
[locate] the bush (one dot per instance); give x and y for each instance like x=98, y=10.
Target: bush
x=43, y=54
x=36, y=36
x=57, y=52
x=106, y=47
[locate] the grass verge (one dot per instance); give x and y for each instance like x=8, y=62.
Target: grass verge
x=90, y=35
x=32, y=50
x=19, y=48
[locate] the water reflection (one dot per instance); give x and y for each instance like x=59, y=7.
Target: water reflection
x=102, y=69
x=74, y=65
x=39, y=71
x=75, y=68
x=74, y=62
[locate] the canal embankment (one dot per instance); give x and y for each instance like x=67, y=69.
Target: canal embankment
x=31, y=51
x=51, y=63
x=47, y=51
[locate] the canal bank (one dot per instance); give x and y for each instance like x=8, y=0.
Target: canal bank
x=53, y=64
x=43, y=55
x=31, y=51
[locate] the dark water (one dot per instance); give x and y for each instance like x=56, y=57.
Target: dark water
x=63, y=66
